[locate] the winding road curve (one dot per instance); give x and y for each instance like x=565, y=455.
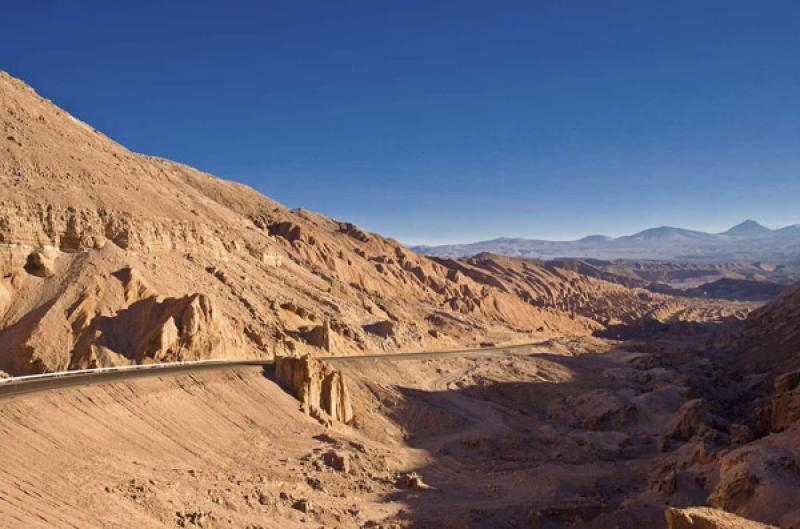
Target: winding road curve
x=19, y=386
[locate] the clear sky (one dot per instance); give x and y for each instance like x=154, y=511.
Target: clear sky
x=446, y=121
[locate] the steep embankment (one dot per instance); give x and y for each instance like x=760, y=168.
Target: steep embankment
x=109, y=257
x=225, y=449
x=771, y=336
x=755, y=384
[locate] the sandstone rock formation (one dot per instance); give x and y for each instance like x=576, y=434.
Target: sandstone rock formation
x=108, y=257
x=253, y=277
x=708, y=518
x=760, y=480
x=40, y=263
x=103, y=312
x=317, y=385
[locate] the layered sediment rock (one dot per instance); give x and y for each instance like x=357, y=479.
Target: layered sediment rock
x=317, y=385
x=708, y=518
x=97, y=310
x=71, y=196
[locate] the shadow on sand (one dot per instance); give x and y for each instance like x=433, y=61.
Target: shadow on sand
x=575, y=442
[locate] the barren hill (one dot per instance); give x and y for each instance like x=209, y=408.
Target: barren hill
x=109, y=257
x=745, y=242
x=771, y=338
x=112, y=257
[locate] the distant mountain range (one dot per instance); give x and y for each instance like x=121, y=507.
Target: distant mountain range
x=745, y=242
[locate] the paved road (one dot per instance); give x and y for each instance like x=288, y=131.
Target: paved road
x=33, y=384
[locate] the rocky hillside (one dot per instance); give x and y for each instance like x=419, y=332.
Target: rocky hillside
x=111, y=257
x=568, y=290
x=771, y=336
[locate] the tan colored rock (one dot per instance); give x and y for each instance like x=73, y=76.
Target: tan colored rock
x=136, y=287
x=303, y=505
x=272, y=260
x=41, y=264
x=107, y=315
x=317, y=385
x=708, y=518
x=411, y=481
x=179, y=232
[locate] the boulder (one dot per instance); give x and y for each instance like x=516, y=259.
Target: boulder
x=411, y=481
x=40, y=263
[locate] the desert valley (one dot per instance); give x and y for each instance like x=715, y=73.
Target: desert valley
x=622, y=383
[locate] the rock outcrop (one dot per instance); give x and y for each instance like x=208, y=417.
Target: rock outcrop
x=708, y=518
x=40, y=264
x=785, y=406
x=317, y=385
x=104, y=312
x=760, y=480
x=71, y=197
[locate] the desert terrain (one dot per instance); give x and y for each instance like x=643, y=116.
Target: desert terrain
x=749, y=242
x=637, y=393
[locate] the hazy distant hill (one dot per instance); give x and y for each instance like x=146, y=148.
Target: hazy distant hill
x=748, y=241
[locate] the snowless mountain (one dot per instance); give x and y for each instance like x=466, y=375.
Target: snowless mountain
x=748, y=241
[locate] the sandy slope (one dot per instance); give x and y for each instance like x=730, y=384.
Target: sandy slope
x=561, y=439
x=95, y=238
x=111, y=257
x=161, y=453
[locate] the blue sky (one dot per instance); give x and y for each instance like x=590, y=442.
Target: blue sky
x=439, y=122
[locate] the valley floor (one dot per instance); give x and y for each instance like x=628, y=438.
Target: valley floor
x=588, y=433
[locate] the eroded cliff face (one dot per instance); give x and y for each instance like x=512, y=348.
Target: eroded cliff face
x=317, y=385
x=96, y=310
x=258, y=277
x=738, y=436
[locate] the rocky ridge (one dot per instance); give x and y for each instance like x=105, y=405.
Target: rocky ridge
x=229, y=272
